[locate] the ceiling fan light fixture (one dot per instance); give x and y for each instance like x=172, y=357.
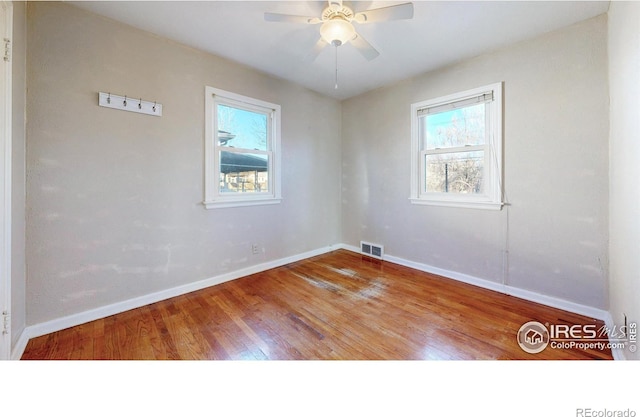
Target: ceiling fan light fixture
x=337, y=32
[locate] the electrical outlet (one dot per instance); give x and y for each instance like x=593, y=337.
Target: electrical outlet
x=255, y=249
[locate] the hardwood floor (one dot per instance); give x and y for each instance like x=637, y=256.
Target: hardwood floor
x=335, y=306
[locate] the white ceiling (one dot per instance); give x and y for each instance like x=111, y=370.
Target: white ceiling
x=441, y=33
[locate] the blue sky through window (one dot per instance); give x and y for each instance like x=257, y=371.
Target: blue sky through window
x=249, y=128
x=459, y=127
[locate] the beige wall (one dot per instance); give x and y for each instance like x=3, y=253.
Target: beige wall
x=114, y=198
x=624, y=148
x=555, y=230
x=19, y=80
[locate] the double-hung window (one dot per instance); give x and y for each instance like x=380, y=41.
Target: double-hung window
x=457, y=149
x=242, y=165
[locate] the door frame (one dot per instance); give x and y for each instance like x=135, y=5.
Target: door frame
x=6, y=33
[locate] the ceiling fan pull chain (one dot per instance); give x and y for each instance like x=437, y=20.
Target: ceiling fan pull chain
x=336, y=87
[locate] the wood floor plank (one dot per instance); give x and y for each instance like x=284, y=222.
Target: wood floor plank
x=335, y=306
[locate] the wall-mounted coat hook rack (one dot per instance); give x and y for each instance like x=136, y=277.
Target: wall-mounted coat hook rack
x=114, y=101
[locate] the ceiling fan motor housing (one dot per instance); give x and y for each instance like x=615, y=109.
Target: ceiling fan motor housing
x=337, y=12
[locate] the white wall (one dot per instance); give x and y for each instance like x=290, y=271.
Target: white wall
x=19, y=79
x=624, y=148
x=114, y=198
x=556, y=167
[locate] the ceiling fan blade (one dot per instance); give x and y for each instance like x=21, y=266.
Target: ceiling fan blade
x=317, y=48
x=364, y=47
x=288, y=18
x=397, y=12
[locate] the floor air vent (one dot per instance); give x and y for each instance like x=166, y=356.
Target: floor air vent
x=371, y=249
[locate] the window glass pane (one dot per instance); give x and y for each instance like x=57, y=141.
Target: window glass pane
x=244, y=172
x=460, y=172
x=455, y=128
x=239, y=128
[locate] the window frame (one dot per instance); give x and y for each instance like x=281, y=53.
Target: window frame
x=492, y=169
x=213, y=197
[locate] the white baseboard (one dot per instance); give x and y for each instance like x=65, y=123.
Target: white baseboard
x=21, y=345
x=111, y=309
x=495, y=286
x=105, y=311
x=618, y=354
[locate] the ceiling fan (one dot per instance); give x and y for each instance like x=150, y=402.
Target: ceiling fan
x=337, y=28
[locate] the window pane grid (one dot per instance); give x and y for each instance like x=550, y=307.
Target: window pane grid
x=244, y=157
x=243, y=141
x=457, y=143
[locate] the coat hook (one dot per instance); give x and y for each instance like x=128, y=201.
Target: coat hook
x=109, y=99
x=154, y=106
x=125, y=101
x=140, y=104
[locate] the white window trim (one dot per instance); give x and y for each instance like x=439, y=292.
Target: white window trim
x=212, y=197
x=492, y=199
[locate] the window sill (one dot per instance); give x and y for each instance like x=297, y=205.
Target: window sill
x=226, y=203
x=483, y=205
